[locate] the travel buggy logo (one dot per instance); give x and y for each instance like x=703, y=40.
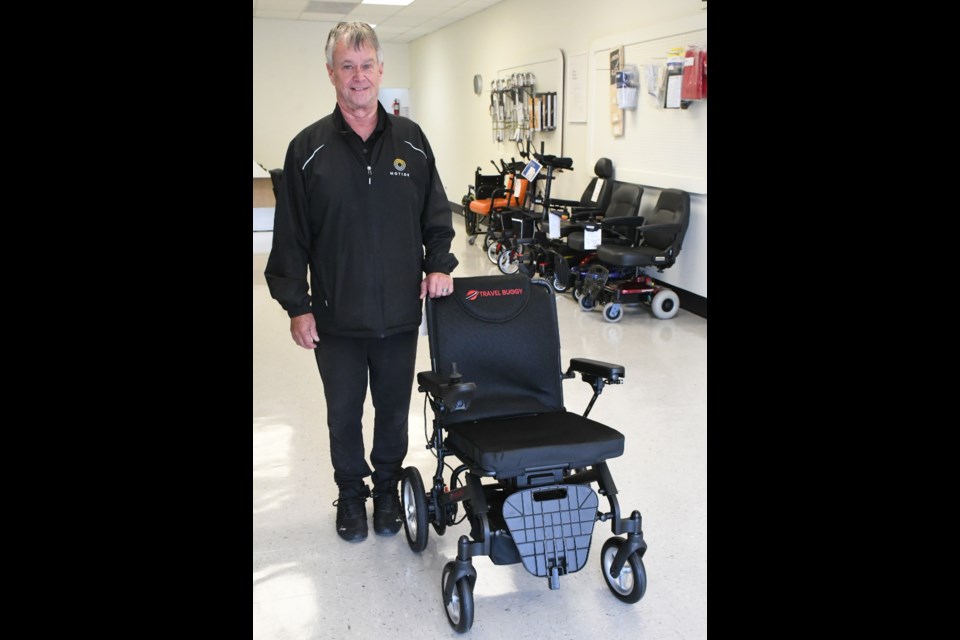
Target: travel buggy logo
x=400, y=165
x=473, y=294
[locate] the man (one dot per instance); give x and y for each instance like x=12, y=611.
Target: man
x=361, y=205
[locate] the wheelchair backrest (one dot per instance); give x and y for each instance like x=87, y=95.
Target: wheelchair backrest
x=599, y=198
x=484, y=185
x=275, y=176
x=501, y=331
x=673, y=206
x=624, y=201
x=517, y=190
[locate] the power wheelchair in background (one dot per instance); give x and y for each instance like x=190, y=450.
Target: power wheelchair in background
x=527, y=464
x=618, y=277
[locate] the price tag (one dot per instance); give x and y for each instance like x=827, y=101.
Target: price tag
x=591, y=239
x=554, y=231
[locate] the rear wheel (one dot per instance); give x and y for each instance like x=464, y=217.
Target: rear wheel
x=665, y=304
x=413, y=501
x=469, y=218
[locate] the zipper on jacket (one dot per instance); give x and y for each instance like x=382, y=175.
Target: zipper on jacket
x=369, y=175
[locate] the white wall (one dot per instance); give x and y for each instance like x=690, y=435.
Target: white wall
x=457, y=122
x=291, y=89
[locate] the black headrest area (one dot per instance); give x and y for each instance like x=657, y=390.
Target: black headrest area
x=492, y=298
x=604, y=168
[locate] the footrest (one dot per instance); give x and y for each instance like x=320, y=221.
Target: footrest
x=552, y=527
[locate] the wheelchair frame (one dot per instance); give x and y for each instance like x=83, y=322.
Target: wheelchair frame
x=490, y=535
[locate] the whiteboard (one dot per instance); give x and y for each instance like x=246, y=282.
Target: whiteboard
x=665, y=148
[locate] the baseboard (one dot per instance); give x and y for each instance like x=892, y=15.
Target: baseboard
x=691, y=302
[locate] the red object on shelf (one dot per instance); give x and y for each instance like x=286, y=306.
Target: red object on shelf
x=396, y=106
x=694, y=75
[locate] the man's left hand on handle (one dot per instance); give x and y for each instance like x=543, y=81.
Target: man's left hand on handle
x=436, y=285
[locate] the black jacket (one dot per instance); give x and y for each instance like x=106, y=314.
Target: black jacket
x=369, y=218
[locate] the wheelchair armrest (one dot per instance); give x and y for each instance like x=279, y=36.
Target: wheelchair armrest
x=675, y=226
x=431, y=382
x=557, y=162
x=596, y=374
x=610, y=372
x=526, y=213
x=623, y=221
x=453, y=396
x=582, y=213
x=564, y=203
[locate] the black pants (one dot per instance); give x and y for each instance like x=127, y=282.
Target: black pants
x=344, y=364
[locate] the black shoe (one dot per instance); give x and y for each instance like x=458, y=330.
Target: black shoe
x=352, y=518
x=386, y=512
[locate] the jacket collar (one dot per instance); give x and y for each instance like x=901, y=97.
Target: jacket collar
x=382, y=120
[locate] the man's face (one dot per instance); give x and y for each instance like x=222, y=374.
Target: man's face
x=356, y=76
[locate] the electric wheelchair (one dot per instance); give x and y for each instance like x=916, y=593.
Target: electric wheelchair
x=618, y=276
x=527, y=464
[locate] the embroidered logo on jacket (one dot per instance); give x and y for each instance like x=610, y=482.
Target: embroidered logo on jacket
x=400, y=165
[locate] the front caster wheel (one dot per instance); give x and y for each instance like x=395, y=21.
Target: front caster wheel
x=460, y=608
x=613, y=312
x=493, y=251
x=487, y=240
x=509, y=261
x=631, y=583
x=558, y=286
x=586, y=302
x=413, y=500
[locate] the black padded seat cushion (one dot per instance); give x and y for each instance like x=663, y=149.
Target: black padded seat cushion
x=511, y=446
x=575, y=240
x=626, y=256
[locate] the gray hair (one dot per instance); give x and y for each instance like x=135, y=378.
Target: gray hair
x=354, y=34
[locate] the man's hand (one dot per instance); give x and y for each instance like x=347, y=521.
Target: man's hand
x=304, y=330
x=436, y=285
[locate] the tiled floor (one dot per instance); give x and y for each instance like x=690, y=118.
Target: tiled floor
x=308, y=584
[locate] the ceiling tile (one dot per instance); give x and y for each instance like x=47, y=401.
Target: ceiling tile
x=323, y=17
x=398, y=24
x=282, y=5
x=371, y=13
x=330, y=7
